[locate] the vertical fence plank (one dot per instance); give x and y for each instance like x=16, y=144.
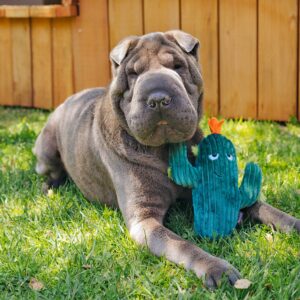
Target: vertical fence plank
x=21, y=61
x=122, y=23
x=41, y=63
x=238, y=58
x=161, y=15
x=63, y=85
x=277, y=59
x=200, y=18
x=6, y=91
x=90, y=45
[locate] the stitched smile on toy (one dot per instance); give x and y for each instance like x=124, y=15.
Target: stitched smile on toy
x=219, y=175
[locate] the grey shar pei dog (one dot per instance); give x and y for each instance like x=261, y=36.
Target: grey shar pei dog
x=113, y=143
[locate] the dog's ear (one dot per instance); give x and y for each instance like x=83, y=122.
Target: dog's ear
x=186, y=41
x=119, y=52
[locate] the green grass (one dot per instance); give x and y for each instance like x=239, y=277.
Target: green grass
x=52, y=237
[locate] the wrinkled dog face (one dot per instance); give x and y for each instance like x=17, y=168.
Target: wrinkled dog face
x=157, y=87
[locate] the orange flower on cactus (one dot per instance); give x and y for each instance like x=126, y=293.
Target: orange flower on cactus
x=215, y=125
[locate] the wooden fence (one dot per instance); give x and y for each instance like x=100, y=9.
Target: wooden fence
x=249, y=51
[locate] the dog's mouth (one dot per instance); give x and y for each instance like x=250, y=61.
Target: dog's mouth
x=156, y=130
x=162, y=123
x=163, y=133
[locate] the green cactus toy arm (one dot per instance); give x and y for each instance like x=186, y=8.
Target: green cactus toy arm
x=181, y=170
x=251, y=185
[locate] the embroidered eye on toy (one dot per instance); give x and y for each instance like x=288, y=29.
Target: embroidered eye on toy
x=217, y=199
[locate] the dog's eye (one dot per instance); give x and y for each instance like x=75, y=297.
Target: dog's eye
x=177, y=67
x=132, y=73
x=230, y=157
x=213, y=156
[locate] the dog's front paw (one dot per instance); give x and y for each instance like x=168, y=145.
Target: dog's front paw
x=216, y=269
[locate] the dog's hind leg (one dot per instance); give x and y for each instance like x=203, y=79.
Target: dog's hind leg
x=49, y=162
x=269, y=215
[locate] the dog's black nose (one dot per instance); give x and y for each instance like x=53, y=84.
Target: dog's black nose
x=158, y=99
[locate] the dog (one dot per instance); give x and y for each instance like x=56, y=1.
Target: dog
x=113, y=143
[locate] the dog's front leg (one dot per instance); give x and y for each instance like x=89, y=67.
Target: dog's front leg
x=144, y=197
x=163, y=242
x=270, y=215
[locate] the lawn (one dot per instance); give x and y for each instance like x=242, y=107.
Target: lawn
x=78, y=250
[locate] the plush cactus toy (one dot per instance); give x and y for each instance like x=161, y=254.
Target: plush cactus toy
x=217, y=199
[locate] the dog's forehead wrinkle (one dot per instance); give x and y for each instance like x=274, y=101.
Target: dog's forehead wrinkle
x=165, y=57
x=149, y=47
x=152, y=53
x=153, y=43
x=141, y=64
